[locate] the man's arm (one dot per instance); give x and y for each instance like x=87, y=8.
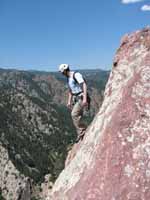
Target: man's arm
x=69, y=99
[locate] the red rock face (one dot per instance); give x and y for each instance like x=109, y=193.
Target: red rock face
x=113, y=160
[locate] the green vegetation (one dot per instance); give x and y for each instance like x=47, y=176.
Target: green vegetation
x=46, y=152
x=35, y=198
x=33, y=150
x=37, y=131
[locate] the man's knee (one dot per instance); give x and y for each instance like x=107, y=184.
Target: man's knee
x=74, y=116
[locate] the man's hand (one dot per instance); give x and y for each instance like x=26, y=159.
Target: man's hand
x=84, y=103
x=69, y=100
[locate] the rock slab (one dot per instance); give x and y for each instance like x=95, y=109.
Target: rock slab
x=113, y=160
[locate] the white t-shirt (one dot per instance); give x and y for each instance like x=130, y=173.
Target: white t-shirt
x=73, y=85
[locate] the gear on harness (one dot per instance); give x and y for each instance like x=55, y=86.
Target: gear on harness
x=78, y=97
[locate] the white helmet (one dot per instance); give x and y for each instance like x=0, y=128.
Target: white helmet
x=63, y=67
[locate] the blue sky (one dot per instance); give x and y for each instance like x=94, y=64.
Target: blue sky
x=41, y=34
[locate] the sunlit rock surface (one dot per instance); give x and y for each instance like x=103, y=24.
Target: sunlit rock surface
x=113, y=160
x=13, y=184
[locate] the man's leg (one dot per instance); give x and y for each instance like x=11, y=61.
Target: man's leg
x=77, y=114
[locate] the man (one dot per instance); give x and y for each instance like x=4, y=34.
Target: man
x=78, y=96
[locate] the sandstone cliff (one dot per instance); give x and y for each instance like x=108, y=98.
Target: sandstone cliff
x=113, y=160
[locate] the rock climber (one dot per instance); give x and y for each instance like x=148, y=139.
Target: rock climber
x=78, y=98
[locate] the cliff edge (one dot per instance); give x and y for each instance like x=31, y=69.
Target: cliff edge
x=113, y=160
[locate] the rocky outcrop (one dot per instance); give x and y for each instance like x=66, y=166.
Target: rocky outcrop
x=113, y=160
x=13, y=185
